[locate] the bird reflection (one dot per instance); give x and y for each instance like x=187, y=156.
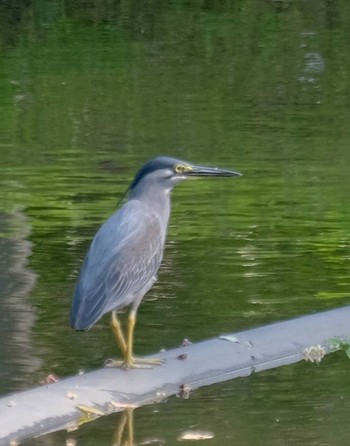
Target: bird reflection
x=124, y=433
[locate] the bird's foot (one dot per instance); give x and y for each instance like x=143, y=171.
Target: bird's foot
x=135, y=363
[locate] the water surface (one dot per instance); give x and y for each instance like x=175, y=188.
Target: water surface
x=89, y=93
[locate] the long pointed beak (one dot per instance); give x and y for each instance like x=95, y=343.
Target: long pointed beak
x=203, y=171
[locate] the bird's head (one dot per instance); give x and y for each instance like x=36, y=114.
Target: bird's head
x=166, y=172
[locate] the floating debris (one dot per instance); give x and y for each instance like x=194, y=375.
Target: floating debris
x=184, y=391
x=315, y=353
x=194, y=435
x=71, y=395
x=237, y=340
x=156, y=441
x=162, y=394
x=89, y=413
x=186, y=342
x=50, y=379
x=182, y=356
x=339, y=344
x=90, y=410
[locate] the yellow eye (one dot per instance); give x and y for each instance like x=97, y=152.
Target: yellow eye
x=180, y=168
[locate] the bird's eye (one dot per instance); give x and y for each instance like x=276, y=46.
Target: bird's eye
x=180, y=168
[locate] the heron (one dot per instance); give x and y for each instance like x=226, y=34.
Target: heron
x=122, y=262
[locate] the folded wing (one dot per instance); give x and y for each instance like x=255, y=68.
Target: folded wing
x=122, y=260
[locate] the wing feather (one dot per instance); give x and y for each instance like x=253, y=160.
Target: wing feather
x=121, y=262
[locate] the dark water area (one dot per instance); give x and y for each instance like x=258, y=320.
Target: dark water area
x=89, y=92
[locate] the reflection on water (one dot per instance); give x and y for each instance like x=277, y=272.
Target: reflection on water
x=89, y=93
x=267, y=408
x=124, y=433
x=18, y=358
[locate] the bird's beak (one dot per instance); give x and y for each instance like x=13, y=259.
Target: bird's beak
x=203, y=171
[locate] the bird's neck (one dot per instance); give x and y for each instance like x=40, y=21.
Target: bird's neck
x=158, y=201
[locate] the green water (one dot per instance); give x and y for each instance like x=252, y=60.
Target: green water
x=91, y=90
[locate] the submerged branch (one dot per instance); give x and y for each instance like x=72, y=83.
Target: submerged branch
x=75, y=400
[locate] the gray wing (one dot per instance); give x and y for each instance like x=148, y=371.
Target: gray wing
x=122, y=260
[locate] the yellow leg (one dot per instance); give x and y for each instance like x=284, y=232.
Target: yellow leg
x=131, y=426
x=127, y=419
x=129, y=359
x=126, y=347
x=118, y=435
x=118, y=334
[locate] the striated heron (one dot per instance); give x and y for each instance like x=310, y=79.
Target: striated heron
x=124, y=257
